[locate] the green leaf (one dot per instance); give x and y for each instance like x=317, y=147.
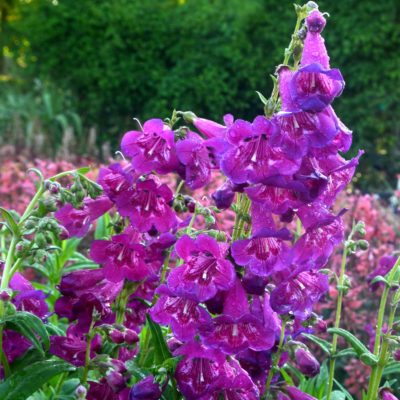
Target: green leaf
x=10, y=222
x=346, y=353
x=325, y=345
x=79, y=266
x=357, y=345
x=83, y=170
x=343, y=389
x=20, y=385
x=31, y=356
x=102, y=225
x=162, y=352
x=336, y=395
x=29, y=326
x=369, y=359
x=262, y=98
x=392, y=368
x=286, y=377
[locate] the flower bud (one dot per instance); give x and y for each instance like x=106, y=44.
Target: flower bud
x=363, y=244
x=40, y=240
x=396, y=355
x=131, y=336
x=117, y=336
x=306, y=362
x=5, y=295
x=116, y=381
x=386, y=394
x=80, y=392
x=146, y=389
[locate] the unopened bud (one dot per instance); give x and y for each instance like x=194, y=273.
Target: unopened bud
x=117, y=336
x=80, y=392
x=363, y=245
x=131, y=336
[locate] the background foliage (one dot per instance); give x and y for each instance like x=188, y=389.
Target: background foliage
x=122, y=59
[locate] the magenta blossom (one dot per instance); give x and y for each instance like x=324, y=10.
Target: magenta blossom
x=151, y=149
x=264, y=253
x=122, y=257
x=308, y=365
x=205, y=270
x=252, y=158
x=237, y=329
x=184, y=316
x=148, y=206
x=77, y=221
x=146, y=389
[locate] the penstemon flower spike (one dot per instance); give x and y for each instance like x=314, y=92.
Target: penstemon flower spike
x=189, y=294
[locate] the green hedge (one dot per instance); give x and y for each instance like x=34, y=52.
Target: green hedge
x=127, y=58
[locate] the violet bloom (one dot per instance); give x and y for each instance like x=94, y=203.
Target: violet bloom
x=223, y=196
x=237, y=384
x=199, y=157
x=146, y=389
x=298, y=129
x=314, y=86
x=386, y=263
x=147, y=206
x=211, y=129
x=122, y=257
x=252, y=158
x=297, y=394
x=199, y=372
x=184, y=316
x=264, y=253
x=72, y=348
x=237, y=329
x=298, y=295
x=115, y=180
x=306, y=362
x=77, y=221
x=101, y=390
x=151, y=149
x=205, y=270
x=386, y=394
x=27, y=298
x=279, y=200
x=83, y=292
x=324, y=231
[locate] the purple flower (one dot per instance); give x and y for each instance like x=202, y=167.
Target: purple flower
x=386, y=394
x=314, y=86
x=28, y=299
x=324, y=231
x=252, y=158
x=237, y=329
x=205, y=270
x=279, y=200
x=115, y=180
x=223, y=196
x=147, y=206
x=297, y=394
x=306, y=362
x=72, y=347
x=152, y=149
x=236, y=385
x=264, y=253
x=386, y=263
x=211, y=129
x=199, y=157
x=199, y=373
x=146, y=389
x=77, y=221
x=122, y=257
x=101, y=390
x=83, y=292
x=298, y=295
x=184, y=316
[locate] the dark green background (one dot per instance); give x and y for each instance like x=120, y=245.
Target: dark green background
x=125, y=58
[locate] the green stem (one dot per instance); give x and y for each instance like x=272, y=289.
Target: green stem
x=277, y=358
x=180, y=185
x=337, y=324
x=243, y=204
x=122, y=300
x=90, y=336
x=32, y=205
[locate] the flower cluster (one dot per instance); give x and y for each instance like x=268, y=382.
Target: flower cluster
x=171, y=301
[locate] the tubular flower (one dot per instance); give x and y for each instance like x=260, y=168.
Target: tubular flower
x=122, y=257
x=184, y=316
x=151, y=149
x=252, y=158
x=237, y=329
x=205, y=270
x=314, y=86
x=77, y=221
x=147, y=206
